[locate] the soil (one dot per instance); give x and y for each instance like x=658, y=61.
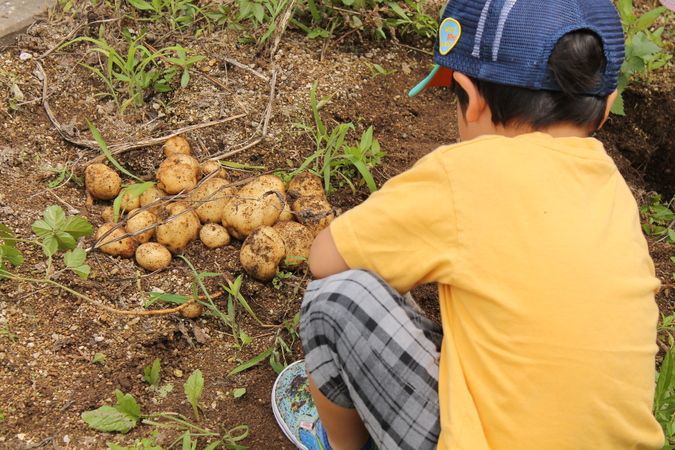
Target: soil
x=49, y=338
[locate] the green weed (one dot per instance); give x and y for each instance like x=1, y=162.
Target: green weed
x=151, y=373
x=664, y=398
x=379, y=18
x=334, y=157
x=131, y=74
x=644, y=48
x=179, y=14
x=126, y=414
x=62, y=175
x=279, y=278
x=659, y=218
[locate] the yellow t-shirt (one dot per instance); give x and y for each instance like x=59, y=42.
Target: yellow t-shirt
x=546, y=290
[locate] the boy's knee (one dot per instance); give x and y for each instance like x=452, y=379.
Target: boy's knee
x=330, y=301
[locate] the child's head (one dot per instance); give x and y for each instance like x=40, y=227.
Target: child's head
x=528, y=64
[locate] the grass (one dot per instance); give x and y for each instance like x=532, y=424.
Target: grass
x=130, y=74
x=335, y=159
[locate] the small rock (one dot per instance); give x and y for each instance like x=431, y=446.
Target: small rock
x=25, y=56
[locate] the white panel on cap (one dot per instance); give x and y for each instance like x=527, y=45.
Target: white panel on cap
x=479, y=32
x=506, y=9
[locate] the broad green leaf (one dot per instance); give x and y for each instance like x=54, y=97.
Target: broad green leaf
x=141, y=4
x=65, y=240
x=127, y=404
x=109, y=419
x=671, y=235
x=99, y=358
x=617, y=107
x=54, y=217
x=11, y=254
x=75, y=257
x=50, y=245
x=238, y=392
x=647, y=19
x=193, y=389
x=77, y=226
x=41, y=228
x=151, y=373
x=82, y=271
x=7, y=236
x=185, y=78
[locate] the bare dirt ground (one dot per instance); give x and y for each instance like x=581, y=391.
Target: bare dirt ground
x=48, y=338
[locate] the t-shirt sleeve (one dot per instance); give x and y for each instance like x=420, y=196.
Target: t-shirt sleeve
x=406, y=232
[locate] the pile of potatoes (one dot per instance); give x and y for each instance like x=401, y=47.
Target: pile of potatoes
x=276, y=223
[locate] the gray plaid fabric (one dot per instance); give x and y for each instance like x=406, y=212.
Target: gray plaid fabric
x=367, y=348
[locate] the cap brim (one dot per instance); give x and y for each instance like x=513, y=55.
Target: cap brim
x=439, y=76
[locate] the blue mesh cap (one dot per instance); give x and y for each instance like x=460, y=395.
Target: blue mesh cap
x=509, y=41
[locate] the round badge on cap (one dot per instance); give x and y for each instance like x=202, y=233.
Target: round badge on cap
x=448, y=35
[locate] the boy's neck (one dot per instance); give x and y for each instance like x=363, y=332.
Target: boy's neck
x=556, y=131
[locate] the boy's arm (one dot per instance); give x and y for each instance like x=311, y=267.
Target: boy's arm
x=405, y=232
x=324, y=258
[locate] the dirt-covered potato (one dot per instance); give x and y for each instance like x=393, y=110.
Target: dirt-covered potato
x=176, y=145
x=179, y=229
x=286, y=213
x=139, y=220
x=213, y=235
x=262, y=252
x=192, y=311
x=211, y=197
x=107, y=214
x=257, y=203
x=150, y=195
x=208, y=167
x=129, y=202
x=305, y=185
x=153, y=256
x=179, y=158
x=102, y=182
x=313, y=212
x=175, y=178
x=297, y=240
x=125, y=247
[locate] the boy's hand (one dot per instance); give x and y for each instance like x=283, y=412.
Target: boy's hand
x=324, y=258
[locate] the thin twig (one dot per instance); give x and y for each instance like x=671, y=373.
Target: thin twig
x=281, y=28
x=236, y=63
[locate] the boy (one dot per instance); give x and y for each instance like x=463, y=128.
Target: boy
x=545, y=281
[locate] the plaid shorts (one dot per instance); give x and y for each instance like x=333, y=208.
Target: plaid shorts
x=369, y=348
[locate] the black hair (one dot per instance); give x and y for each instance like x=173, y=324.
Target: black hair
x=576, y=63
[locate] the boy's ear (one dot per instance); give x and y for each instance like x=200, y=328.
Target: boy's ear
x=610, y=102
x=477, y=104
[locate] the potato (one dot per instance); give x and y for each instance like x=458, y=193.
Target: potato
x=256, y=204
x=219, y=193
x=183, y=159
x=153, y=256
x=139, y=220
x=207, y=167
x=180, y=230
x=129, y=202
x=175, y=178
x=297, y=240
x=286, y=213
x=305, y=185
x=192, y=311
x=102, y=182
x=262, y=252
x=124, y=247
x=313, y=212
x=214, y=235
x=150, y=195
x=107, y=214
x=176, y=145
